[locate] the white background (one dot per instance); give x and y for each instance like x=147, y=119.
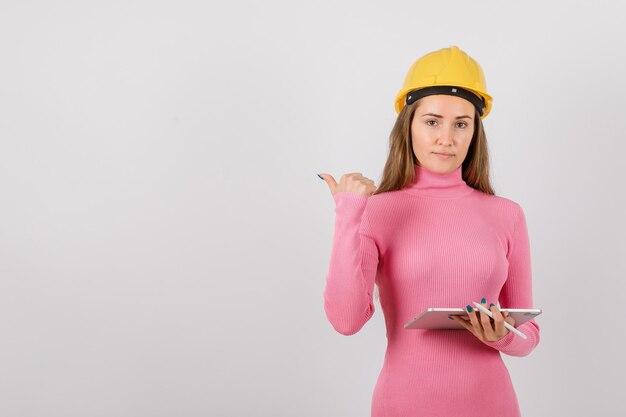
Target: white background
x=164, y=237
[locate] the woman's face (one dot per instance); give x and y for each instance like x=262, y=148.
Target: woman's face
x=442, y=124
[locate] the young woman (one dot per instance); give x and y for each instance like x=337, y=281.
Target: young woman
x=434, y=234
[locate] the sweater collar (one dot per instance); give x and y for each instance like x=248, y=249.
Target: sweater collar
x=433, y=184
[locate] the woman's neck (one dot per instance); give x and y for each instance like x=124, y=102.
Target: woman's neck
x=433, y=184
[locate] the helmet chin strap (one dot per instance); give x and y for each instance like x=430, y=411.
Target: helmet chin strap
x=450, y=90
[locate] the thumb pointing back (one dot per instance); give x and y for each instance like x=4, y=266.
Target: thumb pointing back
x=330, y=181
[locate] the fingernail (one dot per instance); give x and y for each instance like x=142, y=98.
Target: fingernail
x=469, y=308
x=320, y=176
x=491, y=305
x=450, y=318
x=483, y=300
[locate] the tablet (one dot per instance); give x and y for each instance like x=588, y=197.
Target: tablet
x=437, y=318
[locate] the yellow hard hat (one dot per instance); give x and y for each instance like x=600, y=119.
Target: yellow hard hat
x=446, y=71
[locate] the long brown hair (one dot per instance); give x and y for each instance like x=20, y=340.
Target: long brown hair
x=399, y=169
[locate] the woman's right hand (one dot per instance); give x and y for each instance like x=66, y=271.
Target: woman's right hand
x=354, y=182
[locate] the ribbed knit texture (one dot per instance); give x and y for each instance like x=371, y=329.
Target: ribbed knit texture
x=436, y=243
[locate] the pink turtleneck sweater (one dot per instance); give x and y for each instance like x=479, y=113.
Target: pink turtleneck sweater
x=436, y=243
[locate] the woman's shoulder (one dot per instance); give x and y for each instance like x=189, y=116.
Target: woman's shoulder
x=385, y=199
x=498, y=200
x=383, y=205
x=507, y=208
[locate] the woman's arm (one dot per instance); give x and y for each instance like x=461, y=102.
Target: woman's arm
x=348, y=300
x=517, y=291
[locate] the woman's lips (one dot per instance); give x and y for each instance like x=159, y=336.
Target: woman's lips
x=442, y=155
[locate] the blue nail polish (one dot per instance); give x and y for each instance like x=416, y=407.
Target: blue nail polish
x=469, y=308
x=483, y=301
x=320, y=176
x=491, y=305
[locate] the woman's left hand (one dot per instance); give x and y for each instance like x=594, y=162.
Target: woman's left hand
x=484, y=327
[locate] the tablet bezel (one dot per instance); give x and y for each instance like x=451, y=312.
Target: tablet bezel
x=437, y=317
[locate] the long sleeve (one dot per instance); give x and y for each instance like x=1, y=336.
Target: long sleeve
x=517, y=292
x=348, y=299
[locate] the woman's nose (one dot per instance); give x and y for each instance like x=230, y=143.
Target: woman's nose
x=446, y=136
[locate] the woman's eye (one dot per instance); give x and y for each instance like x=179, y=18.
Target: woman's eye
x=462, y=123
x=428, y=121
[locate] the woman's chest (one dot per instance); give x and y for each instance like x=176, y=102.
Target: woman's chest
x=446, y=247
